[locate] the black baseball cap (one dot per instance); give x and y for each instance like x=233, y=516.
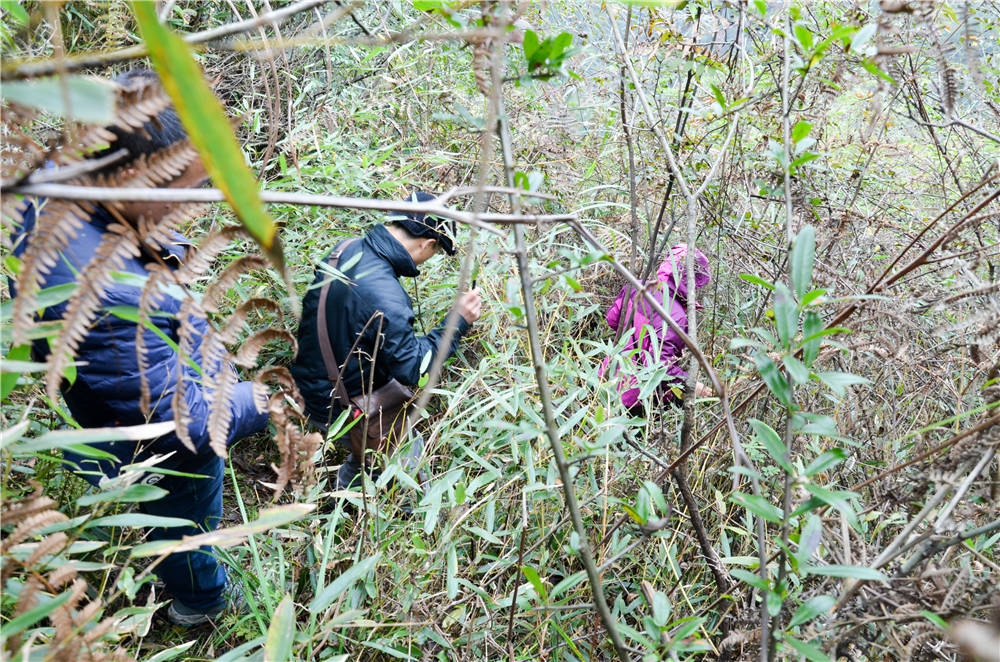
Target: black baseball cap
x=425, y=225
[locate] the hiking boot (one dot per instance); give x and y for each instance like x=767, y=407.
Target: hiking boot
x=232, y=598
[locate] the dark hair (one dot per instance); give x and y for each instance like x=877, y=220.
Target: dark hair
x=424, y=225
x=163, y=130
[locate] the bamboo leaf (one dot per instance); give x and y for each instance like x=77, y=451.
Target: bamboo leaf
x=828, y=459
x=8, y=375
x=139, y=520
x=281, y=632
x=345, y=581
x=756, y=280
x=90, y=100
x=68, y=438
x=532, y=576
x=852, y=571
x=839, y=381
x=32, y=616
x=266, y=520
x=451, y=578
x=812, y=329
x=798, y=372
x=132, y=494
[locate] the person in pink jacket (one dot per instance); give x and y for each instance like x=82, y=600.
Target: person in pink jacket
x=644, y=322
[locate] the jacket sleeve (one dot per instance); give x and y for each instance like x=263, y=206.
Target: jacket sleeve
x=671, y=345
x=615, y=311
x=403, y=351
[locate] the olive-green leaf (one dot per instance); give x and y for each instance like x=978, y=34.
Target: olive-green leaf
x=786, y=314
x=808, y=651
x=772, y=443
x=812, y=608
x=758, y=506
x=803, y=255
x=208, y=128
x=775, y=381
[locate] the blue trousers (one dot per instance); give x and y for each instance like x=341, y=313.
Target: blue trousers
x=194, y=578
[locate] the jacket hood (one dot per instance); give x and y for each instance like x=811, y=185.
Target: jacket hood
x=387, y=247
x=672, y=270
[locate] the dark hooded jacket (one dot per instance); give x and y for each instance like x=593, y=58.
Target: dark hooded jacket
x=374, y=305
x=106, y=391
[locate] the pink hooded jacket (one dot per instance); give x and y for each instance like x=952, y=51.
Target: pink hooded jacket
x=672, y=293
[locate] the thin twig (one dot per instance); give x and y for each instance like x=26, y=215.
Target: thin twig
x=51, y=66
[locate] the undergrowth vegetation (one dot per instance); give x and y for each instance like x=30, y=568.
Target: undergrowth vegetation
x=835, y=499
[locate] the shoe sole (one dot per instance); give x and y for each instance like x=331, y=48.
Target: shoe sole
x=189, y=620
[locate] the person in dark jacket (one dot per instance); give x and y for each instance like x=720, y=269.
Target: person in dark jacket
x=106, y=390
x=388, y=348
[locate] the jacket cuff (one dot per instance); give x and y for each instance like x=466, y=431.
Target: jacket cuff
x=463, y=326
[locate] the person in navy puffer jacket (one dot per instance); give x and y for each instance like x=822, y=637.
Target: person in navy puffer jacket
x=106, y=390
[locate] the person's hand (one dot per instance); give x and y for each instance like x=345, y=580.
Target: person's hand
x=470, y=305
x=702, y=391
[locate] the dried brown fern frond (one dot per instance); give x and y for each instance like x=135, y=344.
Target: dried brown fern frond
x=234, y=325
x=117, y=245
x=32, y=516
x=214, y=292
x=250, y=349
x=55, y=225
x=158, y=232
x=20, y=154
x=46, y=547
x=221, y=378
x=11, y=216
x=973, y=292
x=139, y=101
x=67, y=643
x=27, y=507
x=296, y=449
x=281, y=376
x=80, y=140
x=201, y=260
x=73, y=638
x=26, y=601
x=152, y=170
x=62, y=575
x=185, y=346
x=970, y=224
x=158, y=276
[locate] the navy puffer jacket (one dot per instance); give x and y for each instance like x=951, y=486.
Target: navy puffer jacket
x=107, y=388
x=374, y=288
